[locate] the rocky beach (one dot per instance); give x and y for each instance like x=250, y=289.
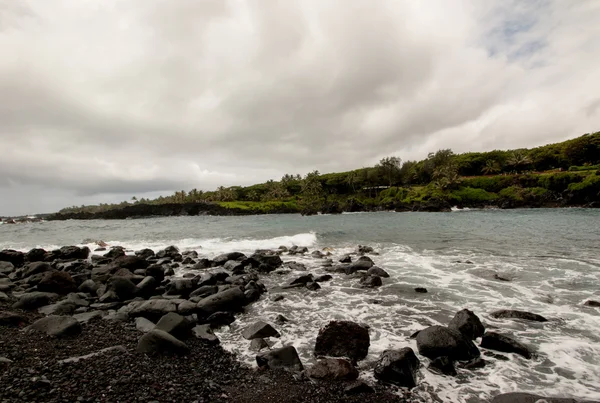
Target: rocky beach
x=115, y=324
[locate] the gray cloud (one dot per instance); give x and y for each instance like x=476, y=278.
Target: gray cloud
x=102, y=101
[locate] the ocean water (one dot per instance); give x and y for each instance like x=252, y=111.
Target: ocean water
x=551, y=257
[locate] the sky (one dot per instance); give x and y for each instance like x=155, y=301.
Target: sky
x=103, y=100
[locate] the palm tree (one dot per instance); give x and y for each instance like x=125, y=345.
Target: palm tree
x=490, y=167
x=518, y=160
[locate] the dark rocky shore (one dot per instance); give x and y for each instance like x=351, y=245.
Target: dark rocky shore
x=120, y=327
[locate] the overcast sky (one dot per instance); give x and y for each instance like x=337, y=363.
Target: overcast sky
x=102, y=100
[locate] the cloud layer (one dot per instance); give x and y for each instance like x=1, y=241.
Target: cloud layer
x=105, y=100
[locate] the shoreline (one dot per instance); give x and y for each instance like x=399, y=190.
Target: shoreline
x=210, y=209
x=126, y=326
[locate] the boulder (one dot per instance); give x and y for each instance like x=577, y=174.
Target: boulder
x=377, y=271
x=421, y=290
x=115, y=252
x=186, y=308
x=258, y=344
x=343, y=339
x=398, y=367
x=440, y=341
x=267, y=263
x=146, y=287
x=259, y=330
x=144, y=253
x=175, y=324
x=85, y=317
x=122, y=287
x=506, y=344
x=332, y=369
x=371, y=281
x=35, y=268
x=56, y=326
x=323, y=278
x=88, y=286
x=170, y=251
x=362, y=263
x=345, y=259
x=160, y=342
x=204, y=291
x=219, y=319
x=231, y=300
x=296, y=266
x=468, y=324
x=144, y=325
x=36, y=255
x=182, y=287
x=131, y=263
x=157, y=271
x=313, y=286
x=34, y=300
x=221, y=259
x=443, y=365
x=205, y=332
x=60, y=308
x=362, y=249
x=513, y=314
x=58, y=282
x=15, y=257
x=154, y=309
x=592, y=303
x=282, y=358
x=6, y=267
x=203, y=264
x=71, y=253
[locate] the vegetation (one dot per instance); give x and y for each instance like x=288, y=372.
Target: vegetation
x=565, y=173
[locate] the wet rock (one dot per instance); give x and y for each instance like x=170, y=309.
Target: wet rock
x=440, y=341
x=296, y=266
x=317, y=254
x=154, y=309
x=56, y=326
x=592, y=303
x=398, y=367
x=122, y=287
x=282, y=358
x=363, y=263
x=323, y=278
x=231, y=300
x=475, y=363
x=144, y=325
x=186, y=308
x=115, y=252
x=362, y=249
x=221, y=259
x=346, y=259
x=500, y=278
x=421, y=290
x=203, y=264
x=71, y=253
x=280, y=319
x=343, y=339
x=517, y=397
x=513, y=314
x=204, y=291
x=332, y=369
x=258, y=344
x=36, y=255
x=219, y=319
x=157, y=271
x=175, y=324
x=466, y=322
x=131, y=263
x=182, y=286
x=371, y=281
x=160, y=342
x=146, y=287
x=443, y=365
x=307, y=278
x=170, y=251
x=34, y=300
x=58, y=282
x=6, y=267
x=267, y=263
x=144, y=253
x=259, y=330
x=506, y=344
x=15, y=257
x=36, y=268
x=88, y=286
x=358, y=388
x=278, y=298
x=377, y=271
x=313, y=286
x=205, y=332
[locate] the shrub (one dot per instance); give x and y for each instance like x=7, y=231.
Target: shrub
x=469, y=195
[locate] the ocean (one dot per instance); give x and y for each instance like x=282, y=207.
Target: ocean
x=550, y=257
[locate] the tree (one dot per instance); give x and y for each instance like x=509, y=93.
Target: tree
x=311, y=194
x=490, y=167
x=518, y=160
x=351, y=180
x=389, y=168
x=446, y=177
